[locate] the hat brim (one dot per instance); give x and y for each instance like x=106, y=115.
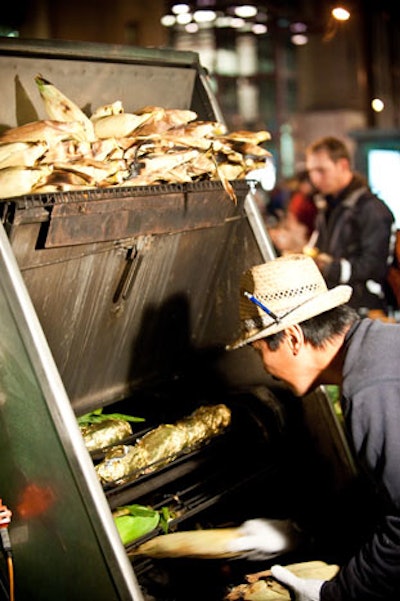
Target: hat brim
x=310, y=308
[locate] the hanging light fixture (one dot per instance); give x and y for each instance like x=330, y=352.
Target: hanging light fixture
x=252, y=16
x=213, y=13
x=168, y=20
x=204, y=16
x=259, y=28
x=181, y=8
x=340, y=13
x=245, y=11
x=377, y=105
x=184, y=18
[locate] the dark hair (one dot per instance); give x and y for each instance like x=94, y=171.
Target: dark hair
x=320, y=329
x=335, y=148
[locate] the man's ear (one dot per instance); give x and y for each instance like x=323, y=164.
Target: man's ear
x=344, y=163
x=295, y=338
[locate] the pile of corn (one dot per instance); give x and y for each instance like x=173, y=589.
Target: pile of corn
x=71, y=151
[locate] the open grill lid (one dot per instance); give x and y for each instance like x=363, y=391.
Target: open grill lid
x=100, y=74
x=132, y=286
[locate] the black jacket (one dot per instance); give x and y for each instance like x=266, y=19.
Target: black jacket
x=371, y=409
x=357, y=230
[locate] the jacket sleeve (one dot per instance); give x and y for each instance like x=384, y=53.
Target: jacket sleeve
x=366, y=249
x=374, y=572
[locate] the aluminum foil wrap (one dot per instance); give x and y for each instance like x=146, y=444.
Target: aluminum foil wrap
x=105, y=433
x=162, y=445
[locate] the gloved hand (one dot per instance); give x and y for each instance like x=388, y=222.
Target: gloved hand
x=261, y=538
x=304, y=589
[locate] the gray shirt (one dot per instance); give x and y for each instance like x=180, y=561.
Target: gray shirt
x=371, y=408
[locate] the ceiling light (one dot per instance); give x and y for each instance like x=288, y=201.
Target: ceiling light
x=168, y=20
x=223, y=21
x=298, y=27
x=237, y=23
x=377, y=105
x=340, y=13
x=192, y=28
x=183, y=18
x=299, y=39
x=259, y=28
x=204, y=16
x=245, y=11
x=179, y=9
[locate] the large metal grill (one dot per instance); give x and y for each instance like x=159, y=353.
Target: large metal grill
x=124, y=300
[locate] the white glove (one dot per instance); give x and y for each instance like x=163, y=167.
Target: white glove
x=260, y=538
x=305, y=589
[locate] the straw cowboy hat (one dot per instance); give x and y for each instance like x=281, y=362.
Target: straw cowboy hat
x=283, y=292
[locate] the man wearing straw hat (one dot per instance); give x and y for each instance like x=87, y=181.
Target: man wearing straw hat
x=307, y=335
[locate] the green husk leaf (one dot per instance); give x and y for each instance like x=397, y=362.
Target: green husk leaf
x=127, y=418
x=96, y=416
x=140, y=521
x=165, y=517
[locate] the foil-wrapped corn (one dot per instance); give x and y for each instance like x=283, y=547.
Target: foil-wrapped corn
x=100, y=430
x=103, y=434
x=163, y=444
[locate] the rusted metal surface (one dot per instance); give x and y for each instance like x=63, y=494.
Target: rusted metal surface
x=127, y=287
x=153, y=212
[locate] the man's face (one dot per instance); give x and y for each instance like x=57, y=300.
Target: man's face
x=287, y=363
x=328, y=177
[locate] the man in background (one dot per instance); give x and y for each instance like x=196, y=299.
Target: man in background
x=354, y=231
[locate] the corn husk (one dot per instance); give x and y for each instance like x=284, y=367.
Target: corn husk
x=251, y=137
x=47, y=131
x=155, y=169
x=21, y=154
x=263, y=587
x=91, y=170
x=64, y=181
x=18, y=181
x=194, y=543
x=67, y=151
x=204, y=129
x=159, y=120
x=61, y=108
x=120, y=125
x=113, y=108
x=107, y=149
